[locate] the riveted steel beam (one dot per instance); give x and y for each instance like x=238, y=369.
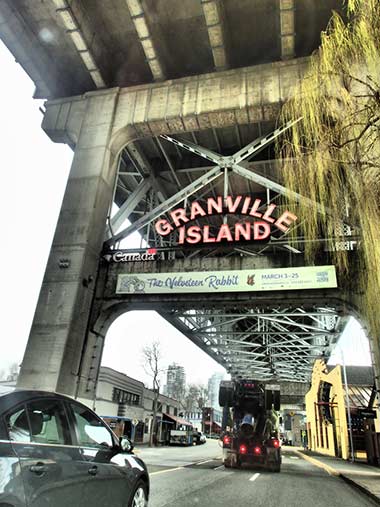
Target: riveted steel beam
x=167, y=205
x=261, y=143
x=209, y=155
x=130, y=204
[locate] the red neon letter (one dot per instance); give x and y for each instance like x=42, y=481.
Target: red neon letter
x=244, y=230
x=285, y=220
x=194, y=234
x=268, y=213
x=232, y=206
x=181, y=238
x=217, y=205
x=163, y=227
x=196, y=209
x=177, y=215
x=247, y=202
x=224, y=233
x=257, y=234
x=254, y=208
x=206, y=235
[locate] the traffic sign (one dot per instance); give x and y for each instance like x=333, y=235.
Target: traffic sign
x=367, y=413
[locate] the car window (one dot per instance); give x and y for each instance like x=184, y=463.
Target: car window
x=91, y=432
x=41, y=421
x=48, y=422
x=17, y=425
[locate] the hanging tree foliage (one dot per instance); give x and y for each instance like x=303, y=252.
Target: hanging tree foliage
x=335, y=148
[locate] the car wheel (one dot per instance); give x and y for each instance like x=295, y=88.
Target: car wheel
x=140, y=496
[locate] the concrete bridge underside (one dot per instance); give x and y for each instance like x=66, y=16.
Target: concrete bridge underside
x=124, y=86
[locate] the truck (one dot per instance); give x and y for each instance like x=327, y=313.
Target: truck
x=182, y=436
x=252, y=437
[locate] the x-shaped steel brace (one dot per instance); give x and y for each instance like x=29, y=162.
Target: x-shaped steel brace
x=222, y=163
x=234, y=162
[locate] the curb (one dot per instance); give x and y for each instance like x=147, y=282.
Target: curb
x=317, y=463
x=332, y=471
x=360, y=487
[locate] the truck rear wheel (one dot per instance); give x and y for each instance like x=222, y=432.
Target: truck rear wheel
x=276, y=467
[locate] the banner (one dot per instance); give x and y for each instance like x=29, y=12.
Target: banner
x=313, y=277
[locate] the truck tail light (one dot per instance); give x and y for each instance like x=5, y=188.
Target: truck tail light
x=257, y=450
x=243, y=449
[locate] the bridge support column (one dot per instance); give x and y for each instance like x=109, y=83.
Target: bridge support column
x=57, y=340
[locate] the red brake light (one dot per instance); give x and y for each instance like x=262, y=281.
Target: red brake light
x=276, y=443
x=257, y=450
x=226, y=440
x=243, y=449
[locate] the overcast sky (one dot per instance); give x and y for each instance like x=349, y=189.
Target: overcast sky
x=34, y=172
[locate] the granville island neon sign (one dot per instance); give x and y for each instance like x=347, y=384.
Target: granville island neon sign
x=249, y=230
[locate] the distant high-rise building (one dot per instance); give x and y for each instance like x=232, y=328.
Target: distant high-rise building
x=175, y=381
x=213, y=389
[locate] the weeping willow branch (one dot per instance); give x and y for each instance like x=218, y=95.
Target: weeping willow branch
x=334, y=151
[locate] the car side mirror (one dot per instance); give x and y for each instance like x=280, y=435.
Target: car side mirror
x=125, y=444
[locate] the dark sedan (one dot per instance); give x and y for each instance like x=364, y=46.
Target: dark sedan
x=57, y=452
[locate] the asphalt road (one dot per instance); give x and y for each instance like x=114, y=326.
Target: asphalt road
x=195, y=476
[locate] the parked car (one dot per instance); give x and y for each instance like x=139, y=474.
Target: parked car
x=56, y=451
x=202, y=438
x=199, y=438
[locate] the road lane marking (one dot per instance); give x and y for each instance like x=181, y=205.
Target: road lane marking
x=254, y=477
x=165, y=471
x=207, y=461
x=217, y=468
x=326, y=468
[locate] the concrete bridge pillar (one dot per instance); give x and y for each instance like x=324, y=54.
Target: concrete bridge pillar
x=53, y=354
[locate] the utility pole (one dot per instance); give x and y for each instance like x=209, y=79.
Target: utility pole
x=348, y=408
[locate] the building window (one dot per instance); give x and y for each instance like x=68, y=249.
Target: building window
x=175, y=411
x=120, y=396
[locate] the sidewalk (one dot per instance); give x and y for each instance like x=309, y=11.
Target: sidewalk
x=358, y=474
